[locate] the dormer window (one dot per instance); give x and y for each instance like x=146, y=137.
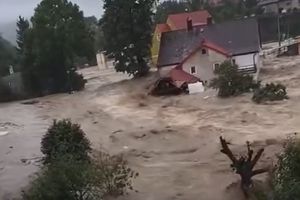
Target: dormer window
x=204, y=51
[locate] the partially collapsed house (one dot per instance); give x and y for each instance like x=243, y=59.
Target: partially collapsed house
x=198, y=50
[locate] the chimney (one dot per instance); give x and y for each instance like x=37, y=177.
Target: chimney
x=189, y=23
x=209, y=21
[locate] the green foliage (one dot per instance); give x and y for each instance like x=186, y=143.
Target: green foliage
x=230, y=82
x=22, y=29
x=65, y=178
x=8, y=56
x=71, y=173
x=287, y=175
x=270, y=92
x=58, y=34
x=233, y=10
x=71, y=179
x=127, y=29
x=65, y=138
x=116, y=176
x=77, y=81
x=5, y=93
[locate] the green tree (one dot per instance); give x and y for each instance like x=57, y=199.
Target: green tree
x=127, y=27
x=58, y=34
x=64, y=138
x=287, y=175
x=7, y=56
x=22, y=28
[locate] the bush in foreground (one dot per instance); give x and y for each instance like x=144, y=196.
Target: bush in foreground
x=270, y=92
x=287, y=175
x=230, y=82
x=65, y=138
x=72, y=179
x=114, y=173
x=71, y=173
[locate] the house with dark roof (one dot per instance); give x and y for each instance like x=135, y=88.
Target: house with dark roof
x=177, y=22
x=199, y=50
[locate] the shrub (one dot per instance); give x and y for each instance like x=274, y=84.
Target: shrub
x=78, y=82
x=230, y=82
x=64, y=178
x=270, y=92
x=286, y=179
x=116, y=176
x=71, y=179
x=65, y=138
x=5, y=93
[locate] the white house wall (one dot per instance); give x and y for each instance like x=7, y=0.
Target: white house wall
x=204, y=64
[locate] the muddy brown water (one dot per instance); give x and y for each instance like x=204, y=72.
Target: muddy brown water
x=171, y=141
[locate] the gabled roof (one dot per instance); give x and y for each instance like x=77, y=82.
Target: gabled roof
x=229, y=38
x=178, y=21
x=182, y=76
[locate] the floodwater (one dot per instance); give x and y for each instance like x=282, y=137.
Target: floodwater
x=173, y=142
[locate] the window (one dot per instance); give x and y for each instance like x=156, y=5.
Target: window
x=193, y=70
x=233, y=61
x=216, y=66
x=204, y=51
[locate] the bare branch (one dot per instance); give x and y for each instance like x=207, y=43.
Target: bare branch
x=227, y=151
x=260, y=171
x=256, y=158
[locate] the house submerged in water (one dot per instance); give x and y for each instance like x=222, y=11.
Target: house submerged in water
x=199, y=50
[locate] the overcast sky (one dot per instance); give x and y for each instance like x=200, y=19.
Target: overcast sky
x=11, y=9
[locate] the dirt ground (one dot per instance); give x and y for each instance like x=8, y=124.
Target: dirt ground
x=173, y=142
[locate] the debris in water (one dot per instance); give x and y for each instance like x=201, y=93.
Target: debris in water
x=31, y=102
x=117, y=131
x=3, y=133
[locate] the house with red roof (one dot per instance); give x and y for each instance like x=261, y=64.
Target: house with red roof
x=199, y=50
x=177, y=22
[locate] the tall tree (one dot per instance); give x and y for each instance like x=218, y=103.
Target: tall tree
x=7, y=56
x=127, y=27
x=22, y=28
x=58, y=34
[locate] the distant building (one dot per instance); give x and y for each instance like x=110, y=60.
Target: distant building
x=278, y=6
x=200, y=50
x=177, y=22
